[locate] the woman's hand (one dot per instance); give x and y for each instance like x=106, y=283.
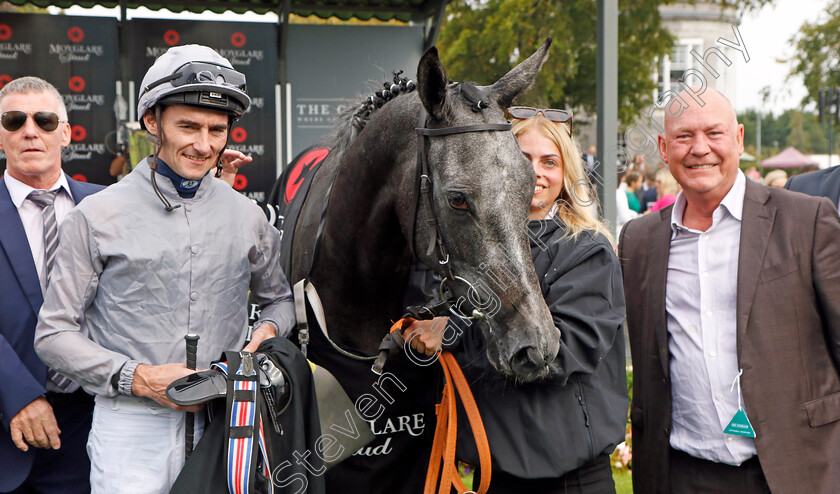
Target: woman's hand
x=232, y=161
x=424, y=336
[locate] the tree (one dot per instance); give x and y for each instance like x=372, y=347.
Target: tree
x=791, y=128
x=482, y=39
x=817, y=58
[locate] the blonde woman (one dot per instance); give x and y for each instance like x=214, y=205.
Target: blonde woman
x=776, y=178
x=555, y=435
x=667, y=189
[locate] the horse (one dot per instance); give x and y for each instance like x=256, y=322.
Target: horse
x=432, y=176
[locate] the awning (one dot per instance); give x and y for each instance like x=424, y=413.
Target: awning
x=789, y=158
x=384, y=10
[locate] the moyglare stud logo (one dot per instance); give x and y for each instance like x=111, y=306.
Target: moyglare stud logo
x=5, y=79
x=171, y=37
x=239, y=135
x=78, y=133
x=79, y=177
x=240, y=182
x=75, y=34
x=237, y=39
x=76, y=84
x=5, y=32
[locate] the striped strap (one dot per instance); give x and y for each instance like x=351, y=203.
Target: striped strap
x=244, y=426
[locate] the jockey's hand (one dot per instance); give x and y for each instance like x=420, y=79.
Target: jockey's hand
x=150, y=381
x=425, y=336
x=35, y=424
x=262, y=333
x=232, y=161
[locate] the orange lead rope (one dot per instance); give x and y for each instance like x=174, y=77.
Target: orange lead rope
x=446, y=431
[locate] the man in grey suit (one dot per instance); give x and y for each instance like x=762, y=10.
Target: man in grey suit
x=825, y=183
x=733, y=308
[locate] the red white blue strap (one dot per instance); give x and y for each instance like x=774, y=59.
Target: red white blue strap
x=243, y=414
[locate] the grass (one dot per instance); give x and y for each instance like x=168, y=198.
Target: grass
x=623, y=480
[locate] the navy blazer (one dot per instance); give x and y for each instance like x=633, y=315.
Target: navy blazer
x=22, y=374
x=824, y=183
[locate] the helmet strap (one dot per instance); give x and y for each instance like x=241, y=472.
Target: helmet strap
x=157, y=140
x=219, y=167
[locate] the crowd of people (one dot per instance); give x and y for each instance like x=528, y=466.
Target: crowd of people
x=730, y=289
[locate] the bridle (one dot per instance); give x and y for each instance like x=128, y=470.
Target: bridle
x=437, y=241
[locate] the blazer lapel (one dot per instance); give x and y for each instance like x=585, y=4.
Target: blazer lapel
x=756, y=225
x=16, y=247
x=75, y=189
x=660, y=248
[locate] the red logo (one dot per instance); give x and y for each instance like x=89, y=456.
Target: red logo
x=76, y=84
x=78, y=133
x=238, y=134
x=310, y=161
x=75, y=34
x=5, y=32
x=4, y=79
x=237, y=39
x=239, y=182
x=171, y=37
x=79, y=177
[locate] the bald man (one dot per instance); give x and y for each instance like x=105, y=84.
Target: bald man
x=733, y=308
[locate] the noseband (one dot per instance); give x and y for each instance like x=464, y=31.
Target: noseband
x=423, y=135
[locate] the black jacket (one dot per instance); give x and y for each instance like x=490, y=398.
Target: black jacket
x=549, y=428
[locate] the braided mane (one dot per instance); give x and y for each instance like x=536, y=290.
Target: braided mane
x=352, y=121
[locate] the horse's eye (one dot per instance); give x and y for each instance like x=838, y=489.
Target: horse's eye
x=457, y=200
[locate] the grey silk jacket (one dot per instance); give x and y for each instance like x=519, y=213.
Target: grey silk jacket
x=130, y=279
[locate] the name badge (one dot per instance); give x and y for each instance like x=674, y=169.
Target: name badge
x=740, y=424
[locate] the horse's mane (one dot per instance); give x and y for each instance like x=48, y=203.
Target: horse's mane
x=352, y=120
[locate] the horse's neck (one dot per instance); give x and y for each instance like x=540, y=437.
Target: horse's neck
x=363, y=253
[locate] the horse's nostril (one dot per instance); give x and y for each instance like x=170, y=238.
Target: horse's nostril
x=527, y=360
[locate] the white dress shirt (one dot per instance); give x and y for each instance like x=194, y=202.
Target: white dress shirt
x=700, y=304
x=32, y=219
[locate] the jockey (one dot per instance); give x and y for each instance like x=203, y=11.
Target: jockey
x=132, y=278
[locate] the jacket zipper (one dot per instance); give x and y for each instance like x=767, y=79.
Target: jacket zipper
x=579, y=396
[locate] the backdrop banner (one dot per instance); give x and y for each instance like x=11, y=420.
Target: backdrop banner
x=79, y=56
x=252, y=49
x=332, y=66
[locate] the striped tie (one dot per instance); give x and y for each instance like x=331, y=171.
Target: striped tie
x=46, y=200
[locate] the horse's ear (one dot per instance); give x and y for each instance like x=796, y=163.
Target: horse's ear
x=520, y=77
x=431, y=83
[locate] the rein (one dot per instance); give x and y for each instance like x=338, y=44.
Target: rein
x=442, y=460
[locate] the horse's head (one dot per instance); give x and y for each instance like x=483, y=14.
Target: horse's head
x=481, y=188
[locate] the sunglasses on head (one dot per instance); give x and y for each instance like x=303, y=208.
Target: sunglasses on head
x=526, y=112
x=14, y=120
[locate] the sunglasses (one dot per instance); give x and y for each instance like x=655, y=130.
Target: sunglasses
x=14, y=120
x=526, y=112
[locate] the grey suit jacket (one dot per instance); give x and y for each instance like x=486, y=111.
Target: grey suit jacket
x=788, y=339
x=824, y=183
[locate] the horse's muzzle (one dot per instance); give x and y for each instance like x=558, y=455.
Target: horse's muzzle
x=528, y=363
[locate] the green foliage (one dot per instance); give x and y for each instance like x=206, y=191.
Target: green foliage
x=792, y=128
x=817, y=59
x=482, y=40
